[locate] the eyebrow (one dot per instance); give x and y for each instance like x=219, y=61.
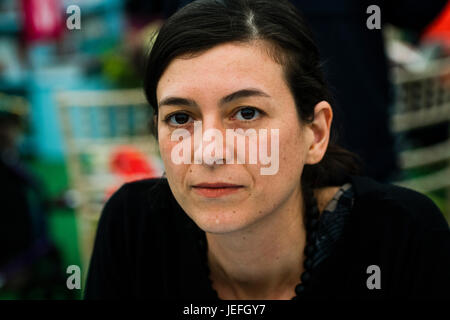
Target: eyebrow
x=243, y=93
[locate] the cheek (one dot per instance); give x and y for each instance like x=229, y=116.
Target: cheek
x=166, y=145
x=291, y=152
x=165, y=148
x=291, y=160
x=175, y=173
x=271, y=190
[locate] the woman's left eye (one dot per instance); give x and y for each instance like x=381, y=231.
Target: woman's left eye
x=247, y=114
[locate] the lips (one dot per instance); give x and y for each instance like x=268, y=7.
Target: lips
x=216, y=185
x=217, y=189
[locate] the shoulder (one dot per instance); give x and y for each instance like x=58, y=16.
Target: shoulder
x=139, y=193
x=406, y=235
x=141, y=188
x=139, y=216
x=138, y=202
x=399, y=203
x=131, y=220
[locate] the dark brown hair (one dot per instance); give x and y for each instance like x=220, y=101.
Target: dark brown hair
x=204, y=24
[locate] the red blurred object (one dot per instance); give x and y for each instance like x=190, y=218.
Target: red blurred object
x=43, y=19
x=439, y=29
x=130, y=164
x=128, y=161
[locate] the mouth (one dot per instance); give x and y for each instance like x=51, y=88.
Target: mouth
x=216, y=190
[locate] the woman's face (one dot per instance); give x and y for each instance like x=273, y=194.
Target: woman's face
x=202, y=82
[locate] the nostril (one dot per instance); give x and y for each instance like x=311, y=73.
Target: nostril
x=213, y=160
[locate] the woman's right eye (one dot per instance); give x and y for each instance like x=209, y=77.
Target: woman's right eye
x=178, y=119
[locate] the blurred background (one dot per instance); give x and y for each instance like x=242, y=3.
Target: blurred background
x=74, y=124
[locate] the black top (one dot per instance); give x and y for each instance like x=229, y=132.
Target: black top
x=333, y=219
x=147, y=247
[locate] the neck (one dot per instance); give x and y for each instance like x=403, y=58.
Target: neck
x=262, y=261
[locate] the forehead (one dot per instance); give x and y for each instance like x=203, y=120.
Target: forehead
x=225, y=67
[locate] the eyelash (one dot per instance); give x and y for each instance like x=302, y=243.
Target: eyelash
x=169, y=116
x=261, y=113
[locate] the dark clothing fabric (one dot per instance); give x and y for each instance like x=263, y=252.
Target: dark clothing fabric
x=332, y=223
x=146, y=247
x=16, y=219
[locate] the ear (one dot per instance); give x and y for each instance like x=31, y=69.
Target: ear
x=319, y=132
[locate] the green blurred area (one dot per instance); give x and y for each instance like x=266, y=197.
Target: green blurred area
x=61, y=225
x=62, y=222
x=440, y=197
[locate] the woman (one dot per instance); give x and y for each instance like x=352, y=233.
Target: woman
x=297, y=222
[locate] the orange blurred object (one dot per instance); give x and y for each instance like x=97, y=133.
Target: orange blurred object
x=130, y=164
x=439, y=29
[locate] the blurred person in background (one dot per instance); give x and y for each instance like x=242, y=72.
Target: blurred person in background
x=30, y=264
x=16, y=227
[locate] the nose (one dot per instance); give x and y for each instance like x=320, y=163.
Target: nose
x=210, y=148
x=213, y=121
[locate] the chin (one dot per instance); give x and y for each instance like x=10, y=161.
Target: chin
x=223, y=222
